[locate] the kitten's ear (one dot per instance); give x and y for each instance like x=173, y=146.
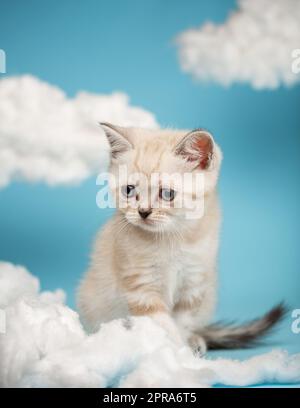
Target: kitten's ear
x=117, y=139
x=197, y=146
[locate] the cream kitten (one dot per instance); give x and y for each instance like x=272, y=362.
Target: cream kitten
x=156, y=256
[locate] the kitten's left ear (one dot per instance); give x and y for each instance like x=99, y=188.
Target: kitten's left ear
x=197, y=146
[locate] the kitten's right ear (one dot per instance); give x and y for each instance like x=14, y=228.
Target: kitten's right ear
x=117, y=139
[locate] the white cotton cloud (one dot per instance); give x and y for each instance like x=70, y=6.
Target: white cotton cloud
x=44, y=345
x=254, y=45
x=46, y=136
x=16, y=281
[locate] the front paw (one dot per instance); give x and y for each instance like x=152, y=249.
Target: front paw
x=168, y=324
x=198, y=345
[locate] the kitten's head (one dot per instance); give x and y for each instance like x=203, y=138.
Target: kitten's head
x=161, y=177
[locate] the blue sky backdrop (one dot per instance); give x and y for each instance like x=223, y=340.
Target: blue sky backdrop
x=102, y=46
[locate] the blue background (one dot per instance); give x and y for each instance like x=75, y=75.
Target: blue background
x=104, y=46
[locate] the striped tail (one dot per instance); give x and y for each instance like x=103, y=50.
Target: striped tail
x=229, y=336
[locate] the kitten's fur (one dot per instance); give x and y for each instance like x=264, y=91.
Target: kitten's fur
x=163, y=266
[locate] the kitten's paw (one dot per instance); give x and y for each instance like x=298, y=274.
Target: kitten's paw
x=198, y=345
x=168, y=324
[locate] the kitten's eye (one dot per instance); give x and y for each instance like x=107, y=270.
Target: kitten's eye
x=128, y=191
x=166, y=194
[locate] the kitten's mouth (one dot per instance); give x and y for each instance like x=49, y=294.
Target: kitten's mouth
x=151, y=225
x=148, y=223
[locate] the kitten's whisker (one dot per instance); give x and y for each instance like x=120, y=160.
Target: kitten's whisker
x=123, y=223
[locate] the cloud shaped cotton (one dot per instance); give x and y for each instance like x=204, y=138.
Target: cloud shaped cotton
x=254, y=45
x=46, y=136
x=46, y=346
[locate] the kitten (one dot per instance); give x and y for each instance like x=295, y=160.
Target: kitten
x=156, y=257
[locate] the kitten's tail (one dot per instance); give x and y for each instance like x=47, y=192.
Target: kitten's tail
x=229, y=336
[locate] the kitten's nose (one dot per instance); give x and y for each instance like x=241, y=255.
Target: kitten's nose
x=144, y=212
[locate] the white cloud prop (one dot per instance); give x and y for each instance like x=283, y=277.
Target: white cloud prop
x=46, y=346
x=45, y=136
x=254, y=45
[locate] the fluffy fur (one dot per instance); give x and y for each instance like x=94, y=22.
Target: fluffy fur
x=163, y=265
